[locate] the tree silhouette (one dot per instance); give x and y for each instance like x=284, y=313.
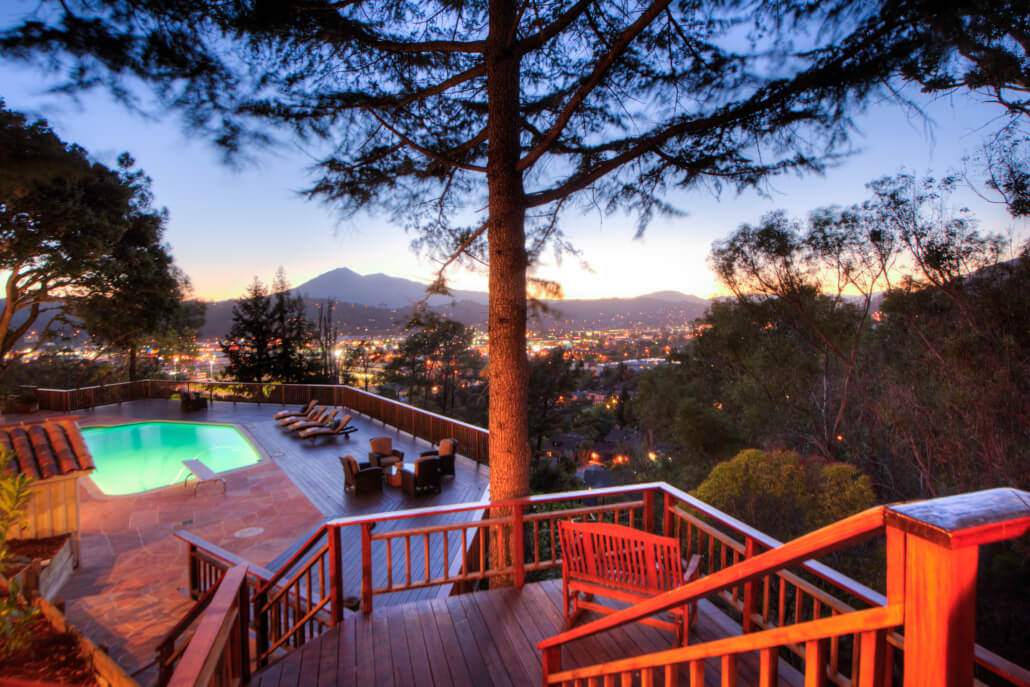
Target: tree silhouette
x=77, y=236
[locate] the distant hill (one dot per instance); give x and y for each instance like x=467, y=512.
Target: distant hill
x=380, y=304
x=352, y=319
x=377, y=290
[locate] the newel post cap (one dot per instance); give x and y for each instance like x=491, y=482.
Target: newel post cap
x=955, y=522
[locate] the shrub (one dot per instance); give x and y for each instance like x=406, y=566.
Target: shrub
x=783, y=495
x=16, y=617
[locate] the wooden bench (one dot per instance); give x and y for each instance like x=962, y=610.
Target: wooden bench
x=625, y=564
x=203, y=474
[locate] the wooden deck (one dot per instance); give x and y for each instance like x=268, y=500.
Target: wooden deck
x=485, y=638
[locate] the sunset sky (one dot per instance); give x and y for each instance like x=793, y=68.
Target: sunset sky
x=228, y=225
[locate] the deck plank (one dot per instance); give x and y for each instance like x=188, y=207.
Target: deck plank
x=484, y=638
x=448, y=636
x=360, y=631
x=423, y=651
x=381, y=651
x=403, y=673
x=484, y=646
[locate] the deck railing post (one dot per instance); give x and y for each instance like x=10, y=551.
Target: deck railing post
x=518, y=553
x=366, y=567
x=335, y=575
x=164, y=663
x=649, y=510
x=937, y=542
x=261, y=631
x=193, y=565
x=244, y=632
x=551, y=661
x=667, y=514
x=748, y=609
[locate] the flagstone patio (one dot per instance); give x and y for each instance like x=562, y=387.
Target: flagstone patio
x=130, y=586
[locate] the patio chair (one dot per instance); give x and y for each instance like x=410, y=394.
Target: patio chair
x=323, y=420
x=310, y=415
x=340, y=426
x=301, y=412
x=383, y=453
x=362, y=478
x=445, y=452
x=424, y=479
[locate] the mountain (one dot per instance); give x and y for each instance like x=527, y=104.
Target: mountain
x=352, y=319
x=378, y=304
x=377, y=290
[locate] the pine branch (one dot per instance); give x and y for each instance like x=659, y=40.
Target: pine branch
x=601, y=70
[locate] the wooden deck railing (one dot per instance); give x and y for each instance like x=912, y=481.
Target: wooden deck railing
x=931, y=571
x=218, y=653
x=307, y=596
x=473, y=441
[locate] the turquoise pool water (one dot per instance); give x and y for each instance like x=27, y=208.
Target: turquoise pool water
x=146, y=455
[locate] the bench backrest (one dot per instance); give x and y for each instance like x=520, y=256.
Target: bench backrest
x=620, y=557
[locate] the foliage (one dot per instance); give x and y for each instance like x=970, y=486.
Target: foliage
x=58, y=370
x=553, y=378
x=143, y=290
x=291, y=333
x=784, y=496
x=549, y=477
x=269, y=335
x=15, y=617
x=73, y=232
x=798, y=361
x=437, y=367
x=249, y=343
x=594, y=422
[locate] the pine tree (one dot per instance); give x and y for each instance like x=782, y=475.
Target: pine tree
x=251, y=340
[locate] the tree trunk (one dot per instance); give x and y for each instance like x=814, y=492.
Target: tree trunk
x=509, y=368
x=132, y=363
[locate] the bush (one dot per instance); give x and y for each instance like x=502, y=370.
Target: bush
x=783, y=495
x=16, y=617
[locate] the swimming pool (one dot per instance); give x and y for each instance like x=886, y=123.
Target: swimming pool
x=146, y=455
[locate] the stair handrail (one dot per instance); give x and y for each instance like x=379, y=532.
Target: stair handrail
x=869, y=620
x=167, y=654
x=223, y=625
x=825, y=540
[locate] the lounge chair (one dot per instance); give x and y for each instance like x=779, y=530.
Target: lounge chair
x=340, y=426
x=445, y=452
x=361, y=477
x=310, y=415
x=323, y=420
x=302, y=412
x=424, y=479
x=383, y=453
